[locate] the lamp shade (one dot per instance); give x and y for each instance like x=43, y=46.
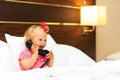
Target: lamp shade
x=93, y=15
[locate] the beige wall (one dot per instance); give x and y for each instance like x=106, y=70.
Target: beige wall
x=108, y=36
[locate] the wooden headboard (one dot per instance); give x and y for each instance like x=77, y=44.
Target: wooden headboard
x=16, y=17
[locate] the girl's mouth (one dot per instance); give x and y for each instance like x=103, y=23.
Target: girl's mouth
x=41, y=47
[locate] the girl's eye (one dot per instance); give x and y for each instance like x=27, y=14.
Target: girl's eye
x=40, y=39
x=45, y=40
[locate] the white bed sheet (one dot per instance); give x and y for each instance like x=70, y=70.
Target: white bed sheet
x=103, y=70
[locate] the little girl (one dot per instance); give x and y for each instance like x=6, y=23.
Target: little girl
x=29, y=58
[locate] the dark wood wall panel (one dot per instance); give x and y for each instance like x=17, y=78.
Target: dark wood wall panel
x=63, y=2
x=36, y=13
x=65, y=34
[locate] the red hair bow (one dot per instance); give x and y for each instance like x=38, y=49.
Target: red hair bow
x=44, y=26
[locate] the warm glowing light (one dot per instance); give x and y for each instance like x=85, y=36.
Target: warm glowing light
x=93, y=15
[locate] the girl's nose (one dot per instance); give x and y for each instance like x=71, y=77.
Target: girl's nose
x=43, y=43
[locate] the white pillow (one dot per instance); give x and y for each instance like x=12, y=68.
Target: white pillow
x=6, y=60
x=75, y=56
x=113, y=56
x=16, y=45
x=59, y=60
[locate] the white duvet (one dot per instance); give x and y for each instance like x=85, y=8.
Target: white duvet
x=70, y=63
x=103, y=70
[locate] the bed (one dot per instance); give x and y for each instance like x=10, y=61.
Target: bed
x=74, y=52
x=70, y=63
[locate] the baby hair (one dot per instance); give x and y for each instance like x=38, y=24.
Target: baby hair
x=28, y=35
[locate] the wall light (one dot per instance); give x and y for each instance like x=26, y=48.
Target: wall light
x=92, y=16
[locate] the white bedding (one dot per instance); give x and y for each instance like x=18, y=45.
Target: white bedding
x=70, y=63
x=103, y=70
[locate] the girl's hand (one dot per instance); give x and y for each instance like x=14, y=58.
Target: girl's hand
x=50, y=55
x=34, y=49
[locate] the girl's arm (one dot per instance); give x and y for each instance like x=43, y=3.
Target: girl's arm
x=28, y=63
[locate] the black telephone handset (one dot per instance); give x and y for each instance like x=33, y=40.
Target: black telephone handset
x=28, y=44
x=40, y=51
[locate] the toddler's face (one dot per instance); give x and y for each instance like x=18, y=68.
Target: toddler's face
x=39, y=38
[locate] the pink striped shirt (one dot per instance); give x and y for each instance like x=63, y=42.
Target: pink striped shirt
x=26, y=54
